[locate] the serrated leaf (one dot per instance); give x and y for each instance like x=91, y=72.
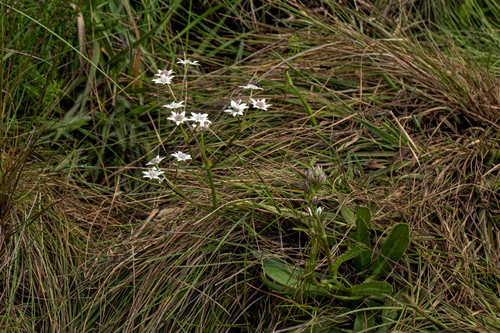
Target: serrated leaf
x=373, y=288
x=351, y=254
x=395, y=246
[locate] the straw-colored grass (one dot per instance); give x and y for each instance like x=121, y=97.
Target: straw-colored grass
x=404, y=108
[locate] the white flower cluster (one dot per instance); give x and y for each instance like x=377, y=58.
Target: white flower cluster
x=165, y=76
x=200, y=120
x=237, y=107
x=155, y=173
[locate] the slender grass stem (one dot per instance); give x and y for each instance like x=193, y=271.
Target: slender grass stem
x=209, y=172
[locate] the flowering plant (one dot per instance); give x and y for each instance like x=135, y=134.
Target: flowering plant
x=193, y=127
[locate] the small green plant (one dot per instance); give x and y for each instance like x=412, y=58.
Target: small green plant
x=290, y=279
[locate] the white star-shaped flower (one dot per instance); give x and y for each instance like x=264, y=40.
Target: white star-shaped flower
x=165, y=72
x=260, y=104
x=154, y=173
x=199, y=118
x=251, y=86
x=234, y=113
x=179, y=118
x=155, y=160
x=237, y=108
x=180, y=156
x=163, y=79
x=188, y=62
x=174, y=105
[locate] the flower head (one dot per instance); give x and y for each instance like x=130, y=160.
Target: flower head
x=260, y=104
x=155, y=160
x=179, y=118
x=174, y=105
x=188, y=62
x=154, y=173
x=180, y=156
x=251, y=86
x=237, y=108
x=165, y=72
x=199, y=118
x=163, y=79
x=234, y=113
x=315, y=178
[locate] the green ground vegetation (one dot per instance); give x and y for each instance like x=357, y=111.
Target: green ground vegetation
x=396, y=102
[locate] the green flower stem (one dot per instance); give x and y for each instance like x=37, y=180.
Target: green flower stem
x=320, y=230
x=176, y=172
x=171, y=92
x=326, y=246
x=188, y=145
x=321, y=233
x=243, y=123
x=227, y=147
x=181, y=194
x=209, y=171
x=249, y=120
x=312, y=260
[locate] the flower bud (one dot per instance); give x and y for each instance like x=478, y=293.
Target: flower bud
x=307, y=189
x=312, y=231
x=315, y=201
x=317, y=171
x=322, y=179
x=309, y=211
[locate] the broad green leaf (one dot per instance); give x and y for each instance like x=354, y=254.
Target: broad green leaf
x=388, y=319
x=395, y=246
x=359, y=322
x=374, y=288
x=364, y=214
x=351, y=254
x=348, y=215
x=362, y=236
x=283, y=278
x=275, y=286
x=288, y=276
x=364, y=321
